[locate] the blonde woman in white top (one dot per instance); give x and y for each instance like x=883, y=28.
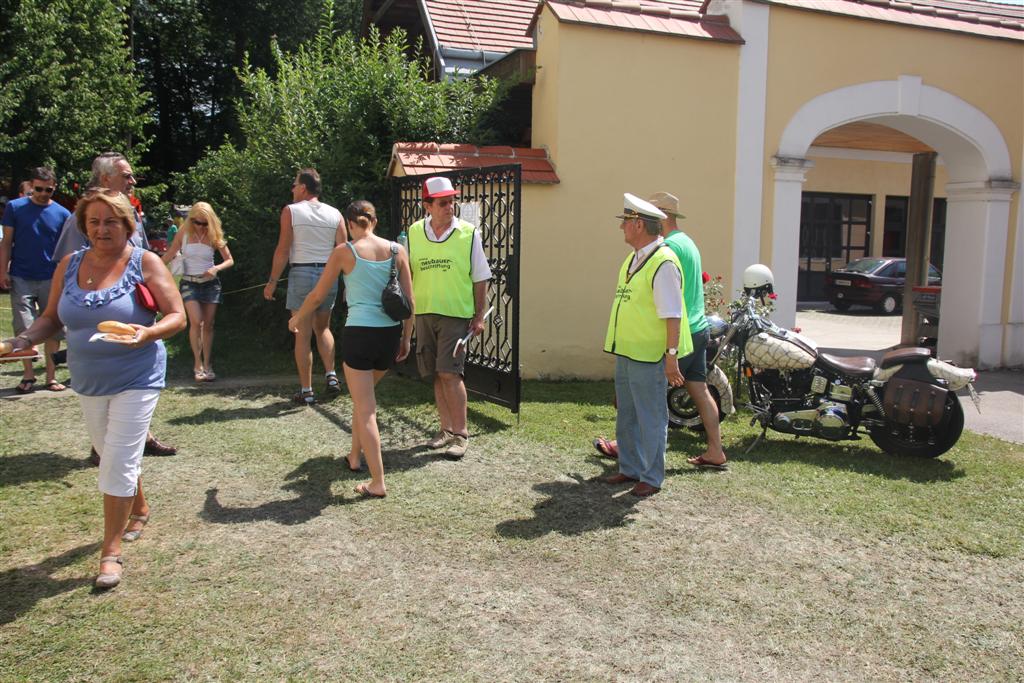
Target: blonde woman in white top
x=197, y=240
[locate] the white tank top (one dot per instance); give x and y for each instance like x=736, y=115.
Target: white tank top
x=314, y=225
x=197, y=257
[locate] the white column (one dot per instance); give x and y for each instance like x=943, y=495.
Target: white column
x=1013, y=340
x=750, y=20
x=970, y=316
x=790, y=174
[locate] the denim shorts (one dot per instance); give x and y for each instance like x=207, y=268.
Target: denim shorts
x=301, y=281
x=694, y=367
x=202, y=292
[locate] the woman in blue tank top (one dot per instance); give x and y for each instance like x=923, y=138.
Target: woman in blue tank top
x=372, y=341
x=118, y=384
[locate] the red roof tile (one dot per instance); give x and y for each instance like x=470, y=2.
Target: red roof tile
x=489, y=25
x=669, y=17
x=990, y=19
x=418, y=158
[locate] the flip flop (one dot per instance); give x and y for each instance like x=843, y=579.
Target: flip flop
x=699, y=461
x=606, y=448
x=26, y=386
x=54, y=385
x=364, y=490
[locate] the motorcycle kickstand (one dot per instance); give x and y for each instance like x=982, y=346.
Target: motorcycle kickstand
x=759, y=439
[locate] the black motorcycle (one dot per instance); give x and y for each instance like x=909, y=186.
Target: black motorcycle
x=906, y=403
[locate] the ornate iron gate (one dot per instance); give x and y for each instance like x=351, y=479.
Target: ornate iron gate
x=489, y=198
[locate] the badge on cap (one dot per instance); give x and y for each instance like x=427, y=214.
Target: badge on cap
x=634, y=207
x=438, y=187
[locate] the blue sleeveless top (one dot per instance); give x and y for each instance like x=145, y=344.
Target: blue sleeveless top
x=100, y=368
x=363, y=287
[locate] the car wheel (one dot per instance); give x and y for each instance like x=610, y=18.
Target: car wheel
x=889, y=304
x=841, y=305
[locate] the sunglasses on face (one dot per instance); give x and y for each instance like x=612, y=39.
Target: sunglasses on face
x=201, y=224
x=42, y=190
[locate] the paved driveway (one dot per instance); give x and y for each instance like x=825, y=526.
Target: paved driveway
x=863, y=333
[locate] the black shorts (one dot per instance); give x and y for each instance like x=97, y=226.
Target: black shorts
x=370, y=348
x=694, y=367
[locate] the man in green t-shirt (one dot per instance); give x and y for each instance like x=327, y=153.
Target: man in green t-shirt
x=694, y=366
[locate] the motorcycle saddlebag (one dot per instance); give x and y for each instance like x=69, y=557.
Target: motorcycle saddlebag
x=912, y=402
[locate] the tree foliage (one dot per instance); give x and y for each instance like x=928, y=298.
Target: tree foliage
x=67, y=87
x=337, y=104
x=188, y=51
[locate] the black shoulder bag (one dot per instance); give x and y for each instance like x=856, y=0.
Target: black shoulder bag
x=393, y=299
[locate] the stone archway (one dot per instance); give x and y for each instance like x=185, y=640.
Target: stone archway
x=978, y=215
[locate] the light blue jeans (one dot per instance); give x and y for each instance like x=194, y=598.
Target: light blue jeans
x=641, y=425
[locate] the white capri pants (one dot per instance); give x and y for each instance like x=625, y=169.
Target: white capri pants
x=117, y=426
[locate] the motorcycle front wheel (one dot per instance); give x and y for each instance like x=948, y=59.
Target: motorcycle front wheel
x=901, y=443
x=683, y=413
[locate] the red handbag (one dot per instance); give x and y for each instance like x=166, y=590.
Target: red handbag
x=145, y=297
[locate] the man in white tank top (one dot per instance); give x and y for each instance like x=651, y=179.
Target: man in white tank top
x=310, y=230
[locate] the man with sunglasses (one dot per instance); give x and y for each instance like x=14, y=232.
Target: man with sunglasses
x=449, y=278
x=32, y=226
x=113, y=171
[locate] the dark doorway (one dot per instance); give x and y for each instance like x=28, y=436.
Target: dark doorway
x=894, y=239
x=834, y=230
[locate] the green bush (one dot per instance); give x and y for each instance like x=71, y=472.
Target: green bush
x=338, y=104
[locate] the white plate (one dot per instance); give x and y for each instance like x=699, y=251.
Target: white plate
x=844, y=283
x=103, y=336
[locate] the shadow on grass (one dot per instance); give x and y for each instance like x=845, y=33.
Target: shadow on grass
x=312, y=481
x=831, y=455
x=574, y=507
x=26, y=467
x=23, y=587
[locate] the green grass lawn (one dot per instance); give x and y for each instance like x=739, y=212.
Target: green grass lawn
x=806, y=561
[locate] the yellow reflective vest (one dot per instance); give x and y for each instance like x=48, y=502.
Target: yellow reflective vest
x=442, y=279
x=634, y=328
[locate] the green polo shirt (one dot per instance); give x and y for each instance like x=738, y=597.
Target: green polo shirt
x=693, y=278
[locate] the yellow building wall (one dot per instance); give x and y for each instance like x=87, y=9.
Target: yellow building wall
x=876, y=178
x=619, y=111
x=812, y=53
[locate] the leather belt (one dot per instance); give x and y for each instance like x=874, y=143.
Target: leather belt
x=196, y=279
x=308, y=265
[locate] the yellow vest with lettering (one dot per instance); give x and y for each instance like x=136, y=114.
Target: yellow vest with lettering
x=634, y=328
x=442, y=279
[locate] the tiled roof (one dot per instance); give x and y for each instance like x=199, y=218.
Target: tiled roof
x=487, y=25
x=418, y=158
x=991, y=19
x=670, y=17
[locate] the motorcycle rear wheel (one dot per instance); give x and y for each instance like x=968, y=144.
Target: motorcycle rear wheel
x=683, y=413
x=901, y=444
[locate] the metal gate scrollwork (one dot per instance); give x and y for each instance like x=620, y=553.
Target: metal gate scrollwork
x=490, y=199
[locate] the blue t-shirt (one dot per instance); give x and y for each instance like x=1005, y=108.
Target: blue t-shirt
x=36, y=230
x=103, y=368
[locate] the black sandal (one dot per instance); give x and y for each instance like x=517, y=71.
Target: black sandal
x=26, y=386
x=304, y=397
x=332, y=382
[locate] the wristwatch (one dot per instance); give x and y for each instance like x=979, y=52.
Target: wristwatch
x=673, y=351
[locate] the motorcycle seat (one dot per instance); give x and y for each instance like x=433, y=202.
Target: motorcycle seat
x=851, y=366
x=910, y=354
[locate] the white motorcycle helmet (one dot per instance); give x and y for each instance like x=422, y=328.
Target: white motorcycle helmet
x=758, y=280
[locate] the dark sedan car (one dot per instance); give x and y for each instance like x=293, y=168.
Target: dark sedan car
x=873, y=281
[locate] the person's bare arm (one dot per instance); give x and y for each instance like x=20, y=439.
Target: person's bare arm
x=675, y=378
x=173, y=249
x=476, y=325
x=341, y=234
x=284, y=244
x=405, y=279
x=5, y=256
x=226, y=262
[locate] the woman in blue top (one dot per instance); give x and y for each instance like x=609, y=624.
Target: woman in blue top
x=118, y=384
x=373, y=341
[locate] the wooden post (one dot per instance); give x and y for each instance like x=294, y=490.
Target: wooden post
x=919, y=231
